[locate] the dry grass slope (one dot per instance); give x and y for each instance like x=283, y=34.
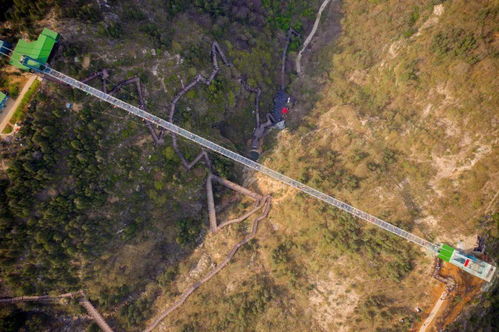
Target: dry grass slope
x=404, y=126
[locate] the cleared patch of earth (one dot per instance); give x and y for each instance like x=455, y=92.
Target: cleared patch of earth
x=332, y=301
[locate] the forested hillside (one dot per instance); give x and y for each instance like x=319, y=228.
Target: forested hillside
x=90, y=202
x=396, y=114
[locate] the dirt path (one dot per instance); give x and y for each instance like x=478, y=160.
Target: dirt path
x=434, y=312
x=310, y=36
x=466, y=287
x=11, y=110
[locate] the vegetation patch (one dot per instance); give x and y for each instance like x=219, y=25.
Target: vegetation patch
x=19, y=113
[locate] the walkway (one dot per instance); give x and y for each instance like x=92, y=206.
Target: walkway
x=11, y=107
x=80, y=295
x=176, y=130
x=265, y=202
x=310, y=36
x=434, y=312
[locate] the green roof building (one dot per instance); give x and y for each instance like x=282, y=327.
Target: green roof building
x=3, y=100
x=39, y=49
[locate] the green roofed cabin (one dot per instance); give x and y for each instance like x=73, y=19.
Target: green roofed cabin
x=39, y=49
x=3, y=100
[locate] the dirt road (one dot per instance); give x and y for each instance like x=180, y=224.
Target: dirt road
x=11, y=108
x=434, y=312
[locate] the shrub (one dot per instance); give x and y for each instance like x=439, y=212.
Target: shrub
x=167, y=277
x=373, y=166
x=359, y=155
x=280, y=254
x=136, y=312
x=93, y=327
x=113, y=30
x=14, y=90
x=160, y=38
x=83, y=10
x=455, y=43
x=411, y=21
x=188, y=231
x=132, y=12
x=389, y=157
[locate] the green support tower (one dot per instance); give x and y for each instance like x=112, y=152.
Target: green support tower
x=39, y=49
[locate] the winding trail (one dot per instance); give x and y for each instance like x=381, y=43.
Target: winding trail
x=104, y=77
x=265, y=201
x=310, y=36
x=216, y=52
x=261, y=202
x=289, y=35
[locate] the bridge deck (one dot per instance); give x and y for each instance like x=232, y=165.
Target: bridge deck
x=238, y=158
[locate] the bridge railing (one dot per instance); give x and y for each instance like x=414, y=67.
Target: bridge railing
x=237, y=157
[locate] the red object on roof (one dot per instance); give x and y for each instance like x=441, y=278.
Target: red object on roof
x=284, y=110
x=467, y=262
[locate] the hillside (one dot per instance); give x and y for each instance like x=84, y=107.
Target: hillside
x=388, y=127
x=405, y=127
x=395, y=113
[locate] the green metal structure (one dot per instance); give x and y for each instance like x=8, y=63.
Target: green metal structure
x=445, y=252
x=39, y=49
